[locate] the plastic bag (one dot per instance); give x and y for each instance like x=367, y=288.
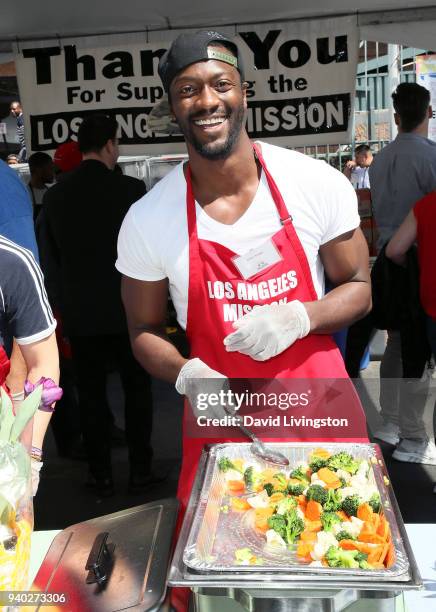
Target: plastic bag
x=16, y=502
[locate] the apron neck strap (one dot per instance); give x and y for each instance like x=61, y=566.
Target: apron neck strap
x=285, y=217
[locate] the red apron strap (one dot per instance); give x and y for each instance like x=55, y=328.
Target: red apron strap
x=286, y=221
x=5, y=366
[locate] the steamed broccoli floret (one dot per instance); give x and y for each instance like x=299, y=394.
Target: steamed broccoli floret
x=278, y=523
x=269, y=488
x=343, y=461
x=344, y=535
x=225, y=464
x=334, y=501
x=362, y=560
x=337, y=557
x=328, y=519
x=296, y=489
x=294, y=526
x=350, y=505
x=317, y=493
x=248, y=476
x=286, y=505
x=316, y=463
x=375, y=502
x=299, y=474
x=281, y=479
x=288, y=526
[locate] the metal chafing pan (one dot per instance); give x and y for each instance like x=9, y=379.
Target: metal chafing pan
x=190, y=568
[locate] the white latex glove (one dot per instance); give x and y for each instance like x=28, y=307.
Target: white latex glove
x=197, y=378
x=36, y=468
x=266, y=331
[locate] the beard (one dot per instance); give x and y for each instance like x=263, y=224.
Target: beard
x=216, y=150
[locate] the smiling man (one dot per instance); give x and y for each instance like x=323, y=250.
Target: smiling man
x=241, y=235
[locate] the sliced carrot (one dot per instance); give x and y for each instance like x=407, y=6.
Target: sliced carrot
x=308, y=536
x=366, y=547
x=312, y=525
x=374, y=555
x=304, y=548
x=321, y=452
x=368, y=527
x=377, y=565
x=313, y=510
x=390, y=557
x=370, y=538
x=261, y=523
x=383, y=553
x=375, y=521
x=328, y=476
x=334, y=485
x=239, y=505
x=235, y=485
x=302, y=500
x=364, y=512
x=343, y=515
x=383, y=529
x=276, y=497
x=349, y=544
x=264, y=512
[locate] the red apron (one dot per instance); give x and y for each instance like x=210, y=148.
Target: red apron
x=315, y=356
x=4, y=367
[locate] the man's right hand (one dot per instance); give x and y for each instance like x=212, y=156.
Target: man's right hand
x=350, y=164
x=197, y=378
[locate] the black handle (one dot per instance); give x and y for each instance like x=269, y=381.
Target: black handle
x=100, y=559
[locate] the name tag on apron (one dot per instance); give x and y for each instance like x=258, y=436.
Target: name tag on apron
x=257, y=260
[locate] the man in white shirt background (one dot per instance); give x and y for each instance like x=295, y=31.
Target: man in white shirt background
x=356, y=170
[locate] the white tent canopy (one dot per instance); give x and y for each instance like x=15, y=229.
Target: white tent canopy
x=387, y=21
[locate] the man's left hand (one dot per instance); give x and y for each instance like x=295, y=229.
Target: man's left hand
x=268, y=330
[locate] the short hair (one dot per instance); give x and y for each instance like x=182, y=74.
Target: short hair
x=411, y=102
x=38, y=160
x=363, y=148
x=12, y=156
x=94, y=132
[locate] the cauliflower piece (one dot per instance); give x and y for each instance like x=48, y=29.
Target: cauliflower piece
x=261, y=500
x=363, y=469
x=315, y=480
x=324, y=540
x=300, y=513
x=343, y=474
x=233, y=475
x=274, y=539
x=353, y=527
x=316, y=564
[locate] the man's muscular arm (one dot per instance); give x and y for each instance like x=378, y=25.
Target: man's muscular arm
x=346, y=264
x=145, y=303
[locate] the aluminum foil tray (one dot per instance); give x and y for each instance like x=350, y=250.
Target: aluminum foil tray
x=215, y=535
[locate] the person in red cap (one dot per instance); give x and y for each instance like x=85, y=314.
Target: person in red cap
x=67, y=156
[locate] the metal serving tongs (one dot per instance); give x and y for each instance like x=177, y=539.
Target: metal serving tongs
x=258, y=448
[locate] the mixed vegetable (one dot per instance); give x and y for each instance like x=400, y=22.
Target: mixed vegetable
x=327, y=509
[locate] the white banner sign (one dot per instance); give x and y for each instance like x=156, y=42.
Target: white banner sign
x=426, y=76
x=301, y=80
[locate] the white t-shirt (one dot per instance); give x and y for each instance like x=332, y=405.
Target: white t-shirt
x=360, y=178
x=153, y=241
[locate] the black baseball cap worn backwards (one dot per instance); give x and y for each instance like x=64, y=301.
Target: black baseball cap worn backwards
x=191, y=48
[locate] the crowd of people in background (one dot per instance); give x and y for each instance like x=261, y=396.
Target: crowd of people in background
x=77, y=257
